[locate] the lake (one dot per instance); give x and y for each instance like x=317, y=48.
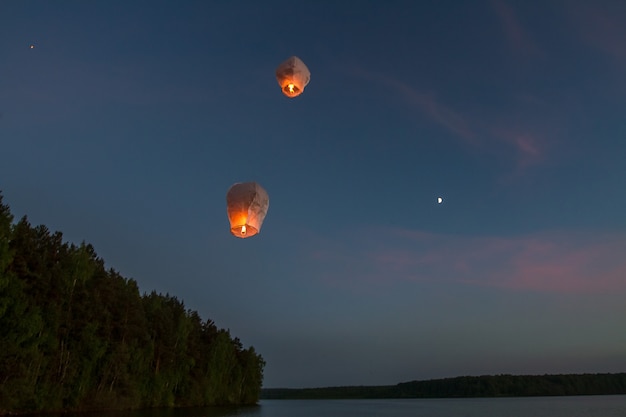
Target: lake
x=583, y=406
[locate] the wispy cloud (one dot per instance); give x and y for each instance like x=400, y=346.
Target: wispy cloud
x=601, y=26
x=546, y=262
x=438, y=112
x=518, y=37
x=530, y=148
x=427, y=104
x=494, y=134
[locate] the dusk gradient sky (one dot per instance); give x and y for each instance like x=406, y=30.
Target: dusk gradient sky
x=127, y=122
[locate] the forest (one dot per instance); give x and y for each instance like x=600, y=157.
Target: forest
x=468, y=386
x=77, y=336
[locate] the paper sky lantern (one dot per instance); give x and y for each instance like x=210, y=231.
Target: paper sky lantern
x=246, y=204
x=293, y=76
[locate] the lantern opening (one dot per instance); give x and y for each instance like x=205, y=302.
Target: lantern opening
x=244, y=231
x=291, y=90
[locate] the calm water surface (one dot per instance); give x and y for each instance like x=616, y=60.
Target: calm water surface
x=585, y=406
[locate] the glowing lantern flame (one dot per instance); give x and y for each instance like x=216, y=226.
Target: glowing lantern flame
x=292, y=76
x=246, y=204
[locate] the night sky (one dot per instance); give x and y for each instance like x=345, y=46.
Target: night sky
x=126, y=122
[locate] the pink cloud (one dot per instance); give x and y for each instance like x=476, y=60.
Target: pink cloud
x=547, y=262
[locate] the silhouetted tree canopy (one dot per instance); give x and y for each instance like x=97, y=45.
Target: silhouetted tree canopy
x=76, y=336
x=468, y=386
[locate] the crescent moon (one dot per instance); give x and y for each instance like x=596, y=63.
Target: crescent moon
x=439, y=200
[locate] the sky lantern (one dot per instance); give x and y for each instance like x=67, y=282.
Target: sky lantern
x=293, y=76
x=246, y=204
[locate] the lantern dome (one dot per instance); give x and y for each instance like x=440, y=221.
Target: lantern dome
x=292, y=76
x=246, y=204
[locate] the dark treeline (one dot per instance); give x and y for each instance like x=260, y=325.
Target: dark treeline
x=76, y=336
x=468, y=386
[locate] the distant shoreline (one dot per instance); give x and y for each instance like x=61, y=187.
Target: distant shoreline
x=468, y=387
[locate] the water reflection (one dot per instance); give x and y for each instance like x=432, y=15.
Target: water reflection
x=583, y=406
x=248, y=411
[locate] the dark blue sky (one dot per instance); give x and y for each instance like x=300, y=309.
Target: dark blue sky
x=127, y=122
